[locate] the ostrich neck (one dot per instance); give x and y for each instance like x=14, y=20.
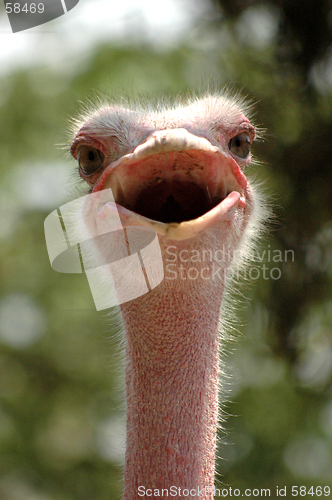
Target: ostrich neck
x=172, y=343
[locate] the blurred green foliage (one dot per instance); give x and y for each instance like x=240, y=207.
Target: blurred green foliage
x=61, y=377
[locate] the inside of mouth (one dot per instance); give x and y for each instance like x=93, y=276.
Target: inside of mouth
x=174, y=201
x=172, y=187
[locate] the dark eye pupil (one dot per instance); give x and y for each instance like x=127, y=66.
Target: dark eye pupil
x=237, y=142
x=91, y=156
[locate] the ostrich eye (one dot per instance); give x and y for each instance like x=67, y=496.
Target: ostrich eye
x=240, y=145
x=89, y=159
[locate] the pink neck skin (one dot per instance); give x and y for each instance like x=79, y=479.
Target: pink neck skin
x=172, y=385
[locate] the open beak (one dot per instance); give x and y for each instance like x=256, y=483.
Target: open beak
x=176, y=183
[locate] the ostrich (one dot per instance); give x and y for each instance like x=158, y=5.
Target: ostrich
x=179, y=171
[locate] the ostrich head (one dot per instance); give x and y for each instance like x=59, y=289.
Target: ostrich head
x=178, y=171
